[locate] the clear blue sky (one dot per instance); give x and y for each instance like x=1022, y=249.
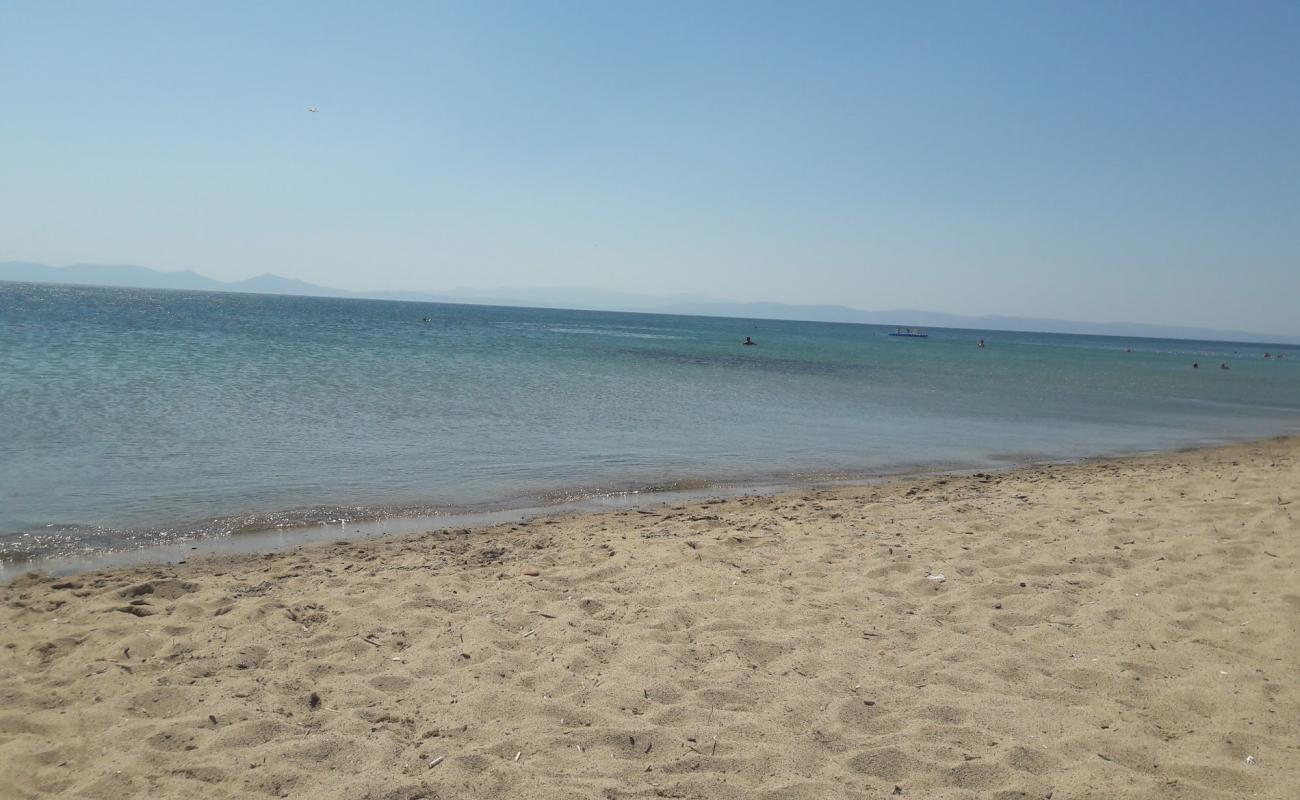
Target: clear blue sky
x=1103, y=161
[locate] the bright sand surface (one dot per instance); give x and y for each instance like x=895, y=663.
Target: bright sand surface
x=1123, y=628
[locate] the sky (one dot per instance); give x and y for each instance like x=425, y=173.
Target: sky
x=1104, y=161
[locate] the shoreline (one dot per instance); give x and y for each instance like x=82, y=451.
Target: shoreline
x=259, y=532
x=1118, y=627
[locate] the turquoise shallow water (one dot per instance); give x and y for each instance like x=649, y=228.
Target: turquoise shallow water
x=130, y=417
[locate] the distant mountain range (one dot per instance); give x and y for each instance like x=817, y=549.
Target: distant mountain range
x=120, y=275
x=144, y=278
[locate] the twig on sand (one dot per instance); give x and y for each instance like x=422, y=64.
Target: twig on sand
x=368, y=640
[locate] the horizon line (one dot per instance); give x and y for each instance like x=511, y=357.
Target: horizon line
x=521, y=303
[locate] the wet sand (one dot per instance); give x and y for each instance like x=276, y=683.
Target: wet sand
x=1111, y=629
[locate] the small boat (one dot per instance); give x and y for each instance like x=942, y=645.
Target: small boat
x=914, y=333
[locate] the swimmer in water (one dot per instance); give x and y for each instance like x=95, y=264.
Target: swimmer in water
x=981, y=344
x=1223, y=366
x=1196, y=365
x=749, y=342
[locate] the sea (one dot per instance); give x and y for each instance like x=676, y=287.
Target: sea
x=145, y=424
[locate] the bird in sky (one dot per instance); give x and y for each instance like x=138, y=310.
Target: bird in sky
x=313, y=109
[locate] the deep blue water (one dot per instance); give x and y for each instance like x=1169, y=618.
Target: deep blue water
x=131, y=416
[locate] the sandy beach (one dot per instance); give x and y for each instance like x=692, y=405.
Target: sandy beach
x=1110, y=629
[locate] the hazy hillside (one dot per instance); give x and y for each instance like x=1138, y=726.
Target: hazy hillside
x=106, y=275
